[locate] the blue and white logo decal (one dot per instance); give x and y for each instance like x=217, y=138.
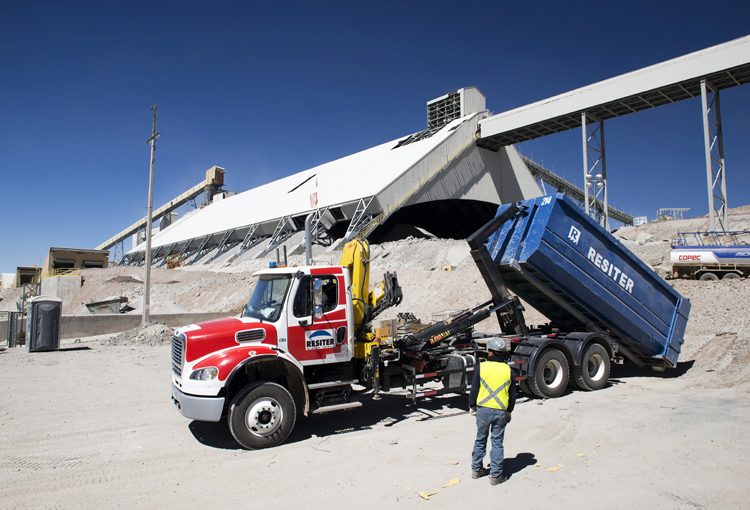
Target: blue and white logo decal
x=574, y=235
x=321, y=339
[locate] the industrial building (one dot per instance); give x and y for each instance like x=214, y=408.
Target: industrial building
x=26, y=275
x=437, y=179
x=61, y=260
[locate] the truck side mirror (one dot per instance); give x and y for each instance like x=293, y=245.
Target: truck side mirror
x=317, y=294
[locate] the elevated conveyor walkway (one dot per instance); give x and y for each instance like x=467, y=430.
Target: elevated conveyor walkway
x=214, y=181
x=723, y=66
x=570, y=189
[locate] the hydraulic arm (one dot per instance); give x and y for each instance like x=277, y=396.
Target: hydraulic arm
x=368, y=305
x=509, y=309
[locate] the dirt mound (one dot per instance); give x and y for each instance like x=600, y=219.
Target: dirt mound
x=9, y=299
x=123, y=279
x=725, y=361
x=151, y=333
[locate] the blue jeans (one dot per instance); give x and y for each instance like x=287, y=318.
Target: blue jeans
x=489, y=421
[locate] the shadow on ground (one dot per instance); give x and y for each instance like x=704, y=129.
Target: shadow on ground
x=619, y=375
x=516, y=464
x=386, y=411
x=629, y=370
x=392, y=409
x=214, y=434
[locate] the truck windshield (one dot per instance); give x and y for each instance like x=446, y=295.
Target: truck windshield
x=268, y=297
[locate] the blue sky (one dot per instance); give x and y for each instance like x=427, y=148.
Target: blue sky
x=266, y=89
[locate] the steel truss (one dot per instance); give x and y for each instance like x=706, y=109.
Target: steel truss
x=672, y=213
x=281, y=233
x=30, y=290
x=135, y=260
x=118, y=252
x=160, y=255
x=251, y=239
x=186, y=252
x=361, y=219
x=318, y=231
x=543, y=175
x=594, y=169
x=204, y=248
x=168, y=253
x=226, y=243
x=715, y=165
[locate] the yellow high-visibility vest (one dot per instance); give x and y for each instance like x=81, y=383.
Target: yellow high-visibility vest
x=494, y=385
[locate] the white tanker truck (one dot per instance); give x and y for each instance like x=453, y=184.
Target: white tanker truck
x=711, y=255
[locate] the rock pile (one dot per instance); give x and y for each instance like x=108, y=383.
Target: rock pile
x=151, y=333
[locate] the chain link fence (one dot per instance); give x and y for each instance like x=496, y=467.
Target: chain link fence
x=11, y=324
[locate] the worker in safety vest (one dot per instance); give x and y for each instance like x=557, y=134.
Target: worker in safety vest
x=492, y=398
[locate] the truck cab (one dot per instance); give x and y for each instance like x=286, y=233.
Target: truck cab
x=285, y=339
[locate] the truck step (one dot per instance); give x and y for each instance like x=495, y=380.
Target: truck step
x=331, y=384
x=337, y=407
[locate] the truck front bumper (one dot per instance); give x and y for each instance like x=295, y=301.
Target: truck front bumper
x=197, y=408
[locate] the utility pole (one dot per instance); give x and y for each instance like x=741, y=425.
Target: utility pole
x=147, y=283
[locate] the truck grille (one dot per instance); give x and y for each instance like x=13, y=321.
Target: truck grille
x=178, y=346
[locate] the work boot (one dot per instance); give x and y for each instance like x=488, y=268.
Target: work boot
x=497, y=481
x=479, y=474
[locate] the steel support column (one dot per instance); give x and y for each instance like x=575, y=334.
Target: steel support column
x=715, y=166
x=250, y=240
x=118, y=252
x=225, y=244
x=202, y=249
x=360, y=219
x=318, y=232
x=594, y=169
x=284, y=229
x=168, y=253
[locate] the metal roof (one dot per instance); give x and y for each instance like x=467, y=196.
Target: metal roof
x=339, y=182
x=363, y=189
x=723, y=66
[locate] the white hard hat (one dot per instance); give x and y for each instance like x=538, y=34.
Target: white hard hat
x=497, y=345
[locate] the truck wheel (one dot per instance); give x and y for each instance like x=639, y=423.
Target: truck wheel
x=524, y=385
x=550, y=375
x=731, y=276
x=262, y=415
x=594, y=370
x=705, y=277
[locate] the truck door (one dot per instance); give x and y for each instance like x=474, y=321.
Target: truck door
x=324, y=340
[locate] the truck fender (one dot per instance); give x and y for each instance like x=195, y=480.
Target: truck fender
x=295, y=378
x=534, y=347
x=578, y=342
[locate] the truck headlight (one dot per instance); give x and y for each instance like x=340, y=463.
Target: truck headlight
x=205, y=374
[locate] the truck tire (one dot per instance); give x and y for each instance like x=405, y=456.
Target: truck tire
x=550, y=375
x=593, y=372
x=524, y=385
x=731, y=276
x=706, y=277
x=262, y=415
